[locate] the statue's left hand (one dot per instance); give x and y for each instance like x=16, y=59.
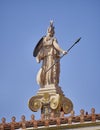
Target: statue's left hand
x=37, y=59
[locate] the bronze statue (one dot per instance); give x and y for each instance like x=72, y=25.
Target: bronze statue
x=48, y=51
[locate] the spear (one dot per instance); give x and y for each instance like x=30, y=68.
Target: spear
x=64, y=54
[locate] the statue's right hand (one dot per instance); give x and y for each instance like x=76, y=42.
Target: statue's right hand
x=64, y=52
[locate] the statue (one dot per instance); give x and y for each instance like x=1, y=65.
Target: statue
x=50, y=98
x=48, y=51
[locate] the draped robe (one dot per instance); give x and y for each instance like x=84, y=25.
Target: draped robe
x=49, y=53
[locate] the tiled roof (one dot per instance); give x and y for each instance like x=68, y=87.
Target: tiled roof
x=66, y=121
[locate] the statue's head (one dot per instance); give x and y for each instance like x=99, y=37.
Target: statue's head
x=50, y=30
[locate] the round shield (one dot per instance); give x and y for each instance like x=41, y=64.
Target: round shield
x=38, y=47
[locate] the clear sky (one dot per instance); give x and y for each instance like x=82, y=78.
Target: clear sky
x=22, y=24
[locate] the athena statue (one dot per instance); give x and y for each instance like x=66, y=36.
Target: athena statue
x=48, y=51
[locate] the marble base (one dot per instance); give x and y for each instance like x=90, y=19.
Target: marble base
x=51, y=89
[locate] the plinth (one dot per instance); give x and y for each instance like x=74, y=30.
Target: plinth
x=50, y=99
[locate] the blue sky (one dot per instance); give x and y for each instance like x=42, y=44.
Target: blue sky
x=22, y=24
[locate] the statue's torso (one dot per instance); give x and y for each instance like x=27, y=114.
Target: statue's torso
x=48, y=47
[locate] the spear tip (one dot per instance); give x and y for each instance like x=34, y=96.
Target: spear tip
x=78, y=40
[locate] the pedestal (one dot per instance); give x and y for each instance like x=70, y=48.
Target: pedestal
x=51, y=89
x=50, y=99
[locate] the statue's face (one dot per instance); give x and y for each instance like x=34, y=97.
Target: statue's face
x=51, y=34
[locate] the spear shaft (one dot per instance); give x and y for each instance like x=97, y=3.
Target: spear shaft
x=64, y=54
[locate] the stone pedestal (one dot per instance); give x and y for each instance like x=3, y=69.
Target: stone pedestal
x=51, y=89
x=50, y=98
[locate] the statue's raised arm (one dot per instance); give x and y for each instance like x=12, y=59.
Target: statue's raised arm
x=48, y=51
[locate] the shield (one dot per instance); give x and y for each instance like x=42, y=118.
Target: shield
x=38, y=47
